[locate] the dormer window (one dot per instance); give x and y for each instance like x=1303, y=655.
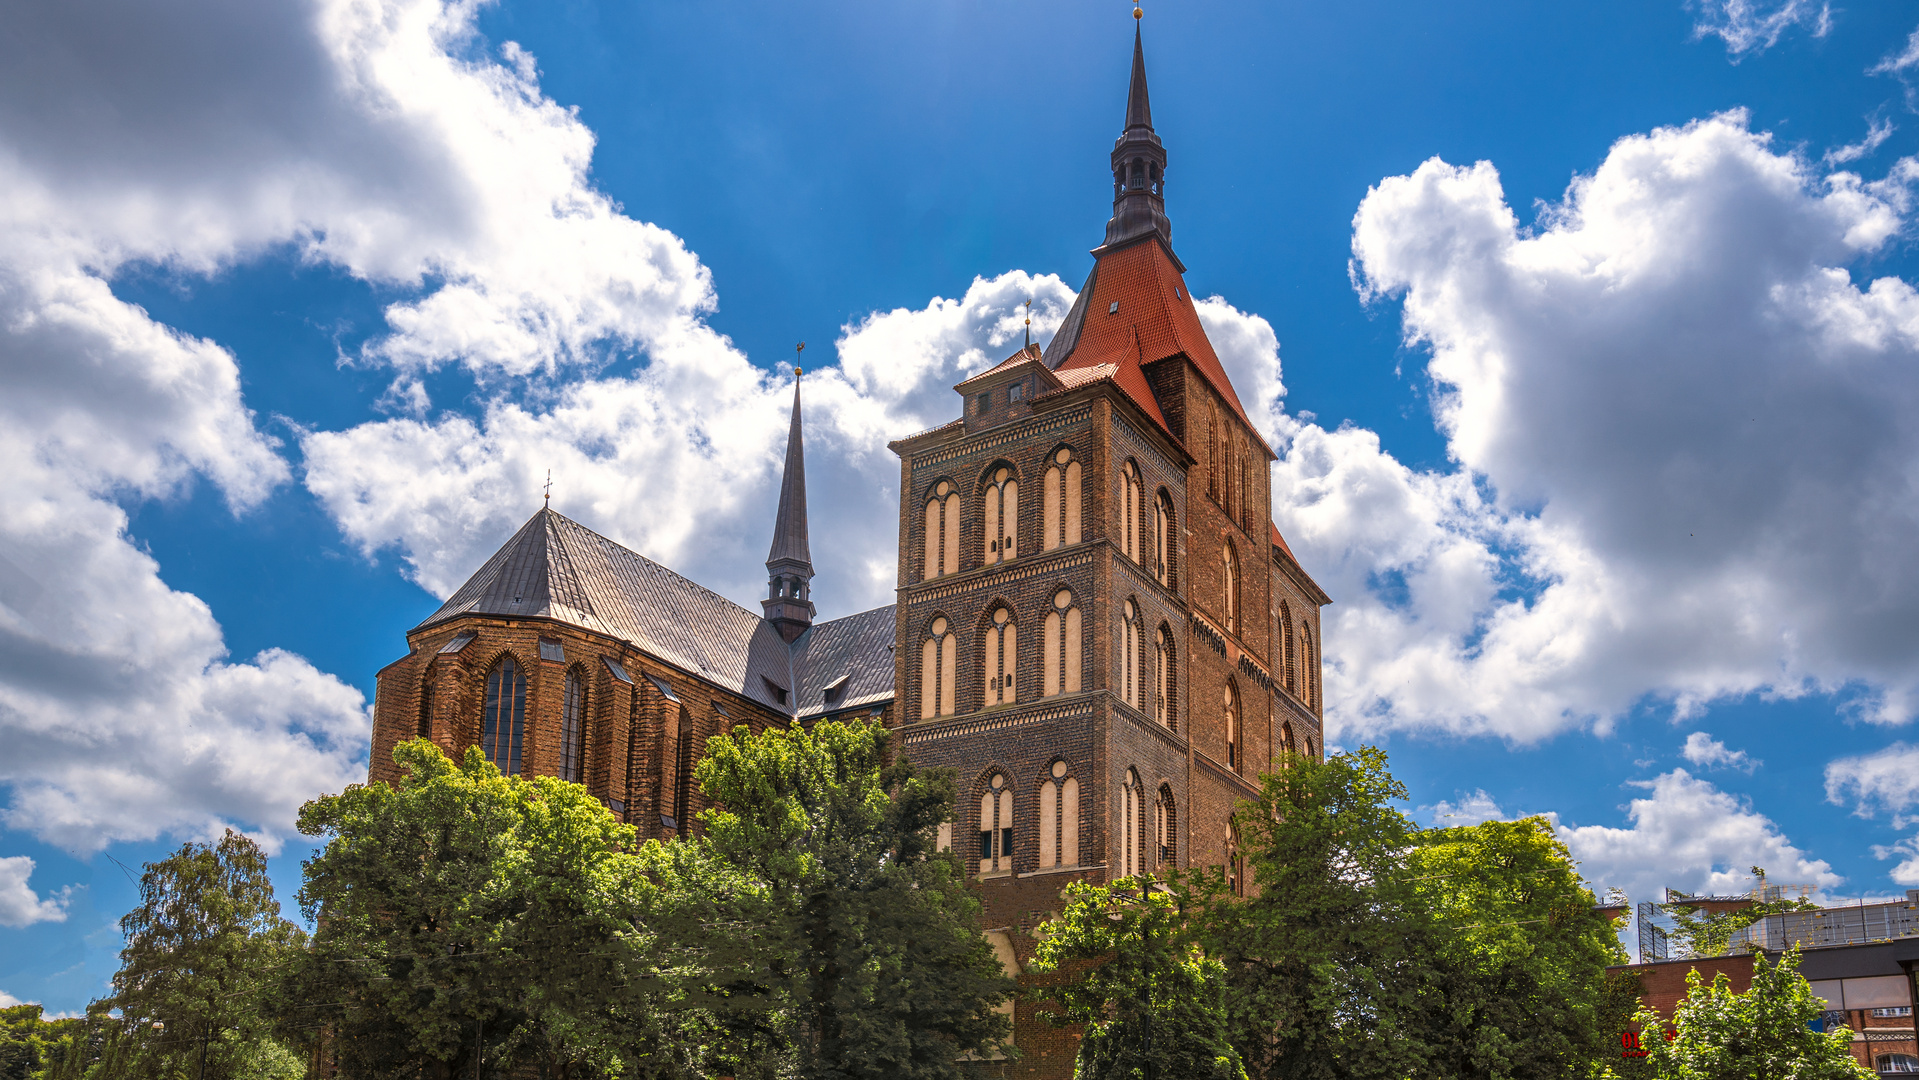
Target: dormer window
x=835, y=691
x=1015, y=392
x=1113, y=308
x=775, y=689
x=984, y=402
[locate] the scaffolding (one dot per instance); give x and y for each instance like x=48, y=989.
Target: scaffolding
x=1861, y=924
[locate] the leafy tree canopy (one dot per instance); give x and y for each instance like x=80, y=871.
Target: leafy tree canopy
x=1766, y=1033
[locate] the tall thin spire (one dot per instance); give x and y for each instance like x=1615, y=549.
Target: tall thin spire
x=1139, y=164
x=789, y=562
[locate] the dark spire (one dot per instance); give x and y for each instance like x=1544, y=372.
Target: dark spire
x=1139, y=164
x=789, y=563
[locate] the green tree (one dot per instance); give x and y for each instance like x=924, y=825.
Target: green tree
x=31, y=1046
x=471, y=923
x=203, y=950
x=1151, y=1005
x=1701, y=933
x=1765, y=1033
x=876, y=966
x=1520, y=957
x=1325, y=963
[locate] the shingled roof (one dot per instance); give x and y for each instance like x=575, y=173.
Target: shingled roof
x=555, y=568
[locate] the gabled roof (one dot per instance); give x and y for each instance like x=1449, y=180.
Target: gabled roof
x=555, y=568
x=1155, y=319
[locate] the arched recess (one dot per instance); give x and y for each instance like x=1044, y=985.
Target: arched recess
x=1312, y=671
x=1058, y=817
x=1286, y=648
x=996, y=823
x=1229, y=706
x=1132, y=497
x=939, y=660
x=1060, y=644
x=1132, y=811
x=1229, y=584
x=1166, y=829
x=999, y=657
x=1132, y=647
x=1286, y=743
x=1165, y=539
x=573, y=726
x=1235, y=861
x=503, y=718
x=999, y=515
x=424, y=725
x=1166, y=682
x=1061, y=495
x=941, y=530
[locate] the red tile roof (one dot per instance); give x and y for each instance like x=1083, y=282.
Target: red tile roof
x=1155, y=319
x=1280, y=543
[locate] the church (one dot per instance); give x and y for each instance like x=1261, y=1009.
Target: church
x=1098, y=625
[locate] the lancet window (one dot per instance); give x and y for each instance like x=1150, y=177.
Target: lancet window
x=1058, y=818
x=1164, y=535
x=1229, y=578
x=1000, y=658
x=1132, y=498
x=1230, y=707
x=573, y=729
x=1287, y=648
x=1060, y=643
x=1060, y=516
x=1001, y=516
x=996, y=826
x=938, y=666
x=1132, y=798
x=1166, y=687
x=503, y=726
x=1132, y=642
x=1165, y=828
x=942, y=531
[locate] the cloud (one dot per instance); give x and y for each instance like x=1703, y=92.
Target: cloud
x=1749, y=27
x=1689, y=835
x=1885, y=780
x=1675, y=418
x=20, y=905
x=1878, y=131
x=1704, y=750
x=1469, y=810
x=1907, y=872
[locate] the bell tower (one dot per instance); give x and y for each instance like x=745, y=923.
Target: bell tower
x=789, y=563
x=1139, y=164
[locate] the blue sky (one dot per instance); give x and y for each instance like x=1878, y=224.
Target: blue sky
x=1601, y=447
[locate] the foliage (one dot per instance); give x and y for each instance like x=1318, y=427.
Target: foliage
x=1765, y=1033
x=1522, y=989
x=464, y=915
x=1150, y=1003
x=876, y=966
x=31, y=1046
x=204, y=949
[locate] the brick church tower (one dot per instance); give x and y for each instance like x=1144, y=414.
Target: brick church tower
x=1099, y=626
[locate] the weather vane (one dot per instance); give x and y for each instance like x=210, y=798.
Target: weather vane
x=549, y=487
x=797, y=350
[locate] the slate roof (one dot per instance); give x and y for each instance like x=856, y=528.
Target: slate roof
x=555, y=568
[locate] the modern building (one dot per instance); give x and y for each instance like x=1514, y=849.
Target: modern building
x=1098, y=625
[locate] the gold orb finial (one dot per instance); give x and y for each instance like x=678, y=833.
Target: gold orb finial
x=1137, y=14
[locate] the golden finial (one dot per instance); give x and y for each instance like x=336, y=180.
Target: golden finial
x=1136, y=12
x=797, y=350
x=549, y=487
x=1029, y=322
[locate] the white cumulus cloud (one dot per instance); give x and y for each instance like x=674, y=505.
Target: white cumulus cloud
x=1471, y=809
x=1752, y=26
x=1885, y=780
x=1704, y=750
x=20, y=905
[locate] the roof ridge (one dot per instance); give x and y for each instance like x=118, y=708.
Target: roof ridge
x=669, y=571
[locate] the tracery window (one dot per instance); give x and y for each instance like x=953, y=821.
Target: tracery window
x=1001, y=516
x=573, y=728
x=938, y=667
x=1165, y=692
x=1000, y=659
x=1060, y=643
x=1060, y=516
x=503, y=728
x=1131, y=643
x=1229, y=576
x=1164, y=538
x=1131, y=502
x=996, y=826
x=1230, y=706
x=1058, y=819
x=942, y=531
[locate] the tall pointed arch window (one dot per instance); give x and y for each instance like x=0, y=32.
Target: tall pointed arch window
x=1131, y=643
x=1311, y=754
x=1165, y=686
x=1165, y=828
x=1311, y=680
x=1061, y=493
x=1058, y=818
x=1212, y=453
x=503, y=726
x=1229, y=579
x=938, y=669
x=1286, y=649
x=1235, y=862
x=1230, y=708
x=425, y=729
x=942, y=531
x=1131, y=503
x=1286, y=743
x=1001, y=516
x=1000, y=659
x=1165, y=536
x=1060, y=643
x=996, y=826
x=1132, y=807
x=573, y=729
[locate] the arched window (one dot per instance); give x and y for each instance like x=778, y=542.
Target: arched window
x=1002, y=516
x=938, y=665
x=504, y=727
x=1235, y=862
x=1132, y=492
x=1132, y=794
x=573, y=729
x=1059, y=518
x=1230, y=706
x=1165, y=693
x=1212, y=453
x=1286, y=743
x=1060, y=641
x=1000, y=659
x=1311, y=681
x=1311, y=754
x=1132, y=642
x=1229, y=577
x=996, y=826
x=1165, y=538
x=1288, y=678
x=425, y=727
x=1058, y=819
x=1165, y=828
x=942, y=531
x=683, y=774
